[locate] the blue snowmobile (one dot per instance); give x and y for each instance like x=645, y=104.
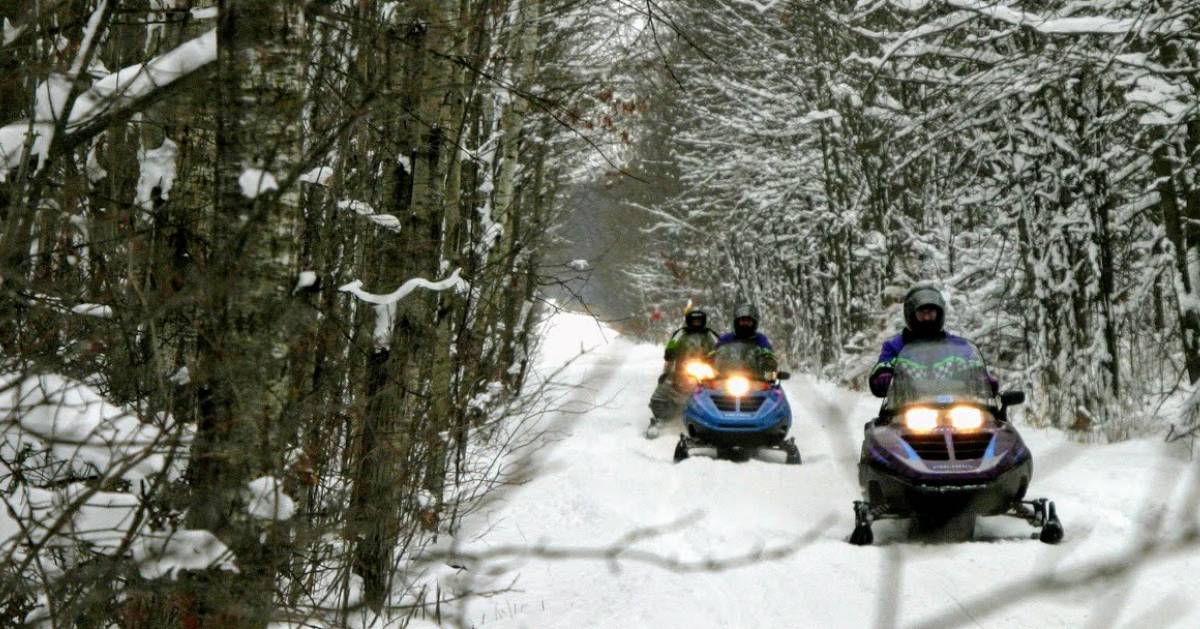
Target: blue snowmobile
x=738, y=407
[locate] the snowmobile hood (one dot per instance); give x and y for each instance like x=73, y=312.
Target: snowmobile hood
x=944, y=455
x=713, y=408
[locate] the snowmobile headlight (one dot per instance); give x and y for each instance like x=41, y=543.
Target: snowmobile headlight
x=921, y=418
x=700, y=370
x=737, y=386
x=966, y=418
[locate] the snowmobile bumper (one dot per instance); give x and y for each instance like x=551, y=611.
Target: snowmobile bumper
x=739, y=437
x=901, y=496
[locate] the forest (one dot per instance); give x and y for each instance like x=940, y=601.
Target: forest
x=273, y=274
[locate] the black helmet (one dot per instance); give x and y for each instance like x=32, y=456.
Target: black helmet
x=695, y=319
x=922, y=297
x=745, y=311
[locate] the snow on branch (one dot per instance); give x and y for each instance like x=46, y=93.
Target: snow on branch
x=87, y=309
x=454, y=281
x=266, y=500
x=364, y=209
x=11, y=32
x=114, y=92
x=1099, y=24
x=385, y=305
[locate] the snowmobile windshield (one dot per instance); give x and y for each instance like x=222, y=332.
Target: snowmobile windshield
x=693, y=345
x=739, y=358
x=939, y=372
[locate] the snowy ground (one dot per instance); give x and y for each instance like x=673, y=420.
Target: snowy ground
x=600, y=480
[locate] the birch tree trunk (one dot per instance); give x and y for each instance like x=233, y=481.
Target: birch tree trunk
x=244, y=271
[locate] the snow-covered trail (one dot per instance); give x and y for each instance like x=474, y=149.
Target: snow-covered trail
x=600, y=480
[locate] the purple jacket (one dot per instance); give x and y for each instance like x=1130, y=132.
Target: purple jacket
x=881, y=376
x=759, y=339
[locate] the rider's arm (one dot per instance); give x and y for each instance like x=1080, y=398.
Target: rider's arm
x=881, y=376
x=672, y=347
x=769, y=362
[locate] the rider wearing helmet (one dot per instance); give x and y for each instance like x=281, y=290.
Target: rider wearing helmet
x=745, y=330
x=693, y=340
x=924, y=319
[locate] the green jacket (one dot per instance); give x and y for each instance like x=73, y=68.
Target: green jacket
x=684, y=345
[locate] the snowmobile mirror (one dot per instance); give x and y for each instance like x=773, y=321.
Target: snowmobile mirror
x=1012, y=398
x=783, y=375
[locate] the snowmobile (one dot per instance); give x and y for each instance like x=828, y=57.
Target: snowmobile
x=668, y=400
x=942, y=451
x=737, y=410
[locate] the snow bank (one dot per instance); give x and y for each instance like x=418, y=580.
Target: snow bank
x=78, y=426
x=100, y=519
x=564, y=335
x=184, y=549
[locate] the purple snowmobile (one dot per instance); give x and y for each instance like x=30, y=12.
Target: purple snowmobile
x=942, y=451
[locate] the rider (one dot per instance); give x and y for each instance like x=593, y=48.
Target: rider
x=924, y=319
x=745, y=330
x=693, y=340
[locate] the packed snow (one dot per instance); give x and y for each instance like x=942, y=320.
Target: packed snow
x=597, y=481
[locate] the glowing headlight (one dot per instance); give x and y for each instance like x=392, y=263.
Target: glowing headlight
x=700, y=370
x=737, y=386
x=921, y=418
x=966, y=418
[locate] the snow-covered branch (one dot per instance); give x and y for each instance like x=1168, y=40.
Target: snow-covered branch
x=114, y=93
x=453, y=281
x=385, y=305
